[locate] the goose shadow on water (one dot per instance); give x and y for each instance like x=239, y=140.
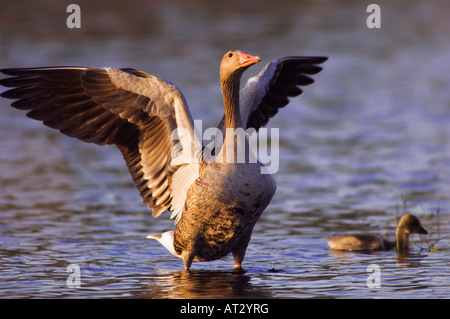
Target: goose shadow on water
x=204, y=284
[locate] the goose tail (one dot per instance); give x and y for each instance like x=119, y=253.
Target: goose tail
x=165, y=239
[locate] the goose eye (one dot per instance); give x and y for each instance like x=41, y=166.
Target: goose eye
x=230, y=54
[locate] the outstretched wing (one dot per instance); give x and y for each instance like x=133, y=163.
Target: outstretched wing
x=267, y=92
x=133, y=110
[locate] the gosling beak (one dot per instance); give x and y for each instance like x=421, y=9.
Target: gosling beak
x=247, y=59
x=422, y=230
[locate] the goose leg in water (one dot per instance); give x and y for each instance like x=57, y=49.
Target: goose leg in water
x=238, y=258
x=239, y=252
x=188, y=258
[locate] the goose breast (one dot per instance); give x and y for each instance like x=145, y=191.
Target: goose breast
x=222, y=208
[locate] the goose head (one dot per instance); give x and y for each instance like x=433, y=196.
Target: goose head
x=234, y=63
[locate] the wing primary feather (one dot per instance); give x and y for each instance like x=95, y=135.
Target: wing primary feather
x=270, y=90
x=129, y=108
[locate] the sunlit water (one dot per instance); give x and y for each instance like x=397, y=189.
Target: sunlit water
x=372, y=130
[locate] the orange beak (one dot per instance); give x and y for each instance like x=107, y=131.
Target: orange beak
x=247, y=59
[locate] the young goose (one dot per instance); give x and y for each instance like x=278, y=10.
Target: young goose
x=215, y=204
x=407, y=225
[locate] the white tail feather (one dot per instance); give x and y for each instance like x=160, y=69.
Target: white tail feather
x=165, y=239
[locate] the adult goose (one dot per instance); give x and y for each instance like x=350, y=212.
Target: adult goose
x=407, y=225
x=215, y=203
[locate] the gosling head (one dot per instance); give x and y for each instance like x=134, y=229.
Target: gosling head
x=408, y=225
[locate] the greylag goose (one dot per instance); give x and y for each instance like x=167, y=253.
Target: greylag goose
x=215, y=203
x=407, y=225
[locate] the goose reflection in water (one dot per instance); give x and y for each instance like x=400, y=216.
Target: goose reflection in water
x=204, y=284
